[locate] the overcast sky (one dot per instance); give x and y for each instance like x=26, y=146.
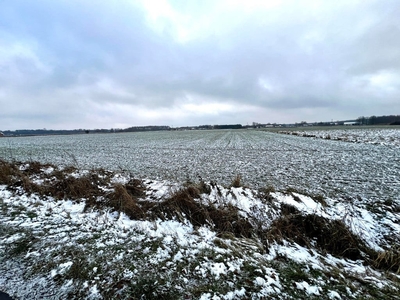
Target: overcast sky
x=115, y=64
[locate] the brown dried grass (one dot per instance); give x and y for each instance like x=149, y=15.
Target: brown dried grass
x=179, y=205
x=123, y=201
x=9, y=173
x=74, y=188
x=59, y=184
x=330, y=236
x=237, y=181
x=182, y=205
x=135, y=188
x=388, y=260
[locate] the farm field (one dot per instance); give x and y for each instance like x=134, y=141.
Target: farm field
x=388, y=135
x=168, y=217
x=316, y=166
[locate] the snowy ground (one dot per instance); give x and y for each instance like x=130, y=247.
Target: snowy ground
x=317, y=166
x=62, y=248
x=389, y=137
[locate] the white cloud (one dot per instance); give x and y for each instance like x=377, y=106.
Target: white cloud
x=379, y=84
x=385, y=80
x=20, y=62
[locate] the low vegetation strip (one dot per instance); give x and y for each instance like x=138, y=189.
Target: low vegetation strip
x=96, y=234
x=377, y=136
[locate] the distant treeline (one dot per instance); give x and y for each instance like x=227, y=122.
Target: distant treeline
x=235, y=126
x=144, y=128
x=27, y=132
x=372, y=120
x=158, y=128
x=32, y=132
x=380, y=120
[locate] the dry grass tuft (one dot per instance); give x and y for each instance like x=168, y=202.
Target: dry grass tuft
x=62, y=184
x=59, y=184
x=288, y=210
x=9, y=173
x=237, y=181
x=320, y=199
x=122, y=200
x=265, y=194
x=229, y=220
x=35, y=167
x=388, y=260
x=182, y=205
x=203, y=187
x=135, y=188
x=73, y=188
x=330, y=236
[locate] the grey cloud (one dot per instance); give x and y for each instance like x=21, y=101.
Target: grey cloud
x=285, y=58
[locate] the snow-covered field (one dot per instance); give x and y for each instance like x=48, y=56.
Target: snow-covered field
x=316, y=166
x=336, y=239
x=378, y=136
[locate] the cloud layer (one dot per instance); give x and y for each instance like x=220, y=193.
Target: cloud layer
x=113, y=64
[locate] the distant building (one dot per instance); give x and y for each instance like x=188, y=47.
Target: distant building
x=350, y=123
x=1, y=134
